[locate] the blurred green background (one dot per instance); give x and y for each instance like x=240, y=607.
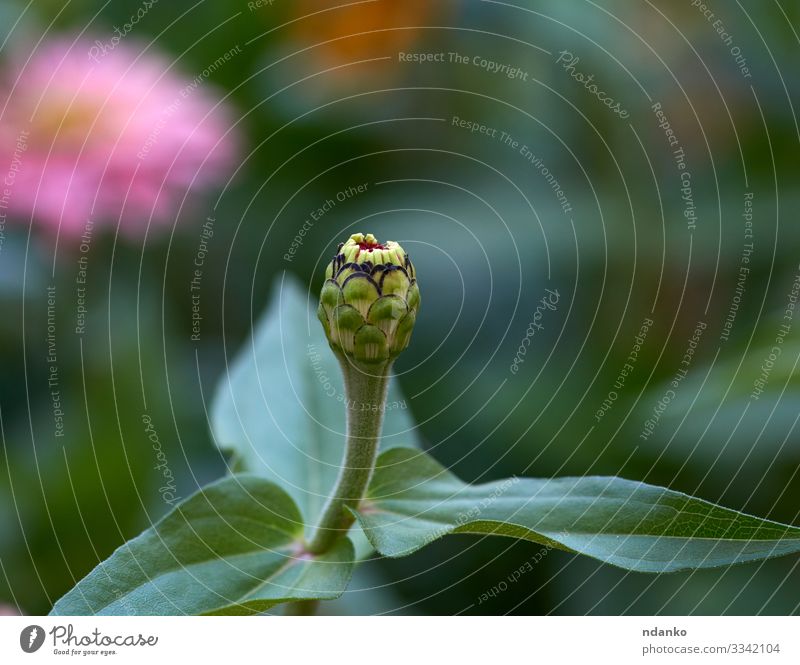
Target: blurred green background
x=323, y=104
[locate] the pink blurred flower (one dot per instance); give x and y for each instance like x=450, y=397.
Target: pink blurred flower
x=109, y=138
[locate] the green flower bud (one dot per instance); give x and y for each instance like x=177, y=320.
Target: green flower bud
x=369, y=302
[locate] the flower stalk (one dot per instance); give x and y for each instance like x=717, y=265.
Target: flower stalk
x=366, y=401
x=368, y=307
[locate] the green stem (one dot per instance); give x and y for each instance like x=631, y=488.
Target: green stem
x=365, y=390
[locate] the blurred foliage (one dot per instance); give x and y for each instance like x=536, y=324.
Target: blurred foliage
x=485, y=227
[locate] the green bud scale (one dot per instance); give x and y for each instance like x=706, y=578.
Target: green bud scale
x=370, y=299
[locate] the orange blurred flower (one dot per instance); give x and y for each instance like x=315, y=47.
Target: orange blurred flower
x=342, y=33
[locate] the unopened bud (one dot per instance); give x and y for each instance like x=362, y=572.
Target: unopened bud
x=368, y=304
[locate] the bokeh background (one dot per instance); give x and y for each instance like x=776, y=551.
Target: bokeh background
x=253, y=114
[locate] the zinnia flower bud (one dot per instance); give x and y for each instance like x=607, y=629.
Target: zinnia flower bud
x=370, y=298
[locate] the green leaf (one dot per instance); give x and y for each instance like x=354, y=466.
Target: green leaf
x=413, y=501
x=231, y=548
x=281, y=408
